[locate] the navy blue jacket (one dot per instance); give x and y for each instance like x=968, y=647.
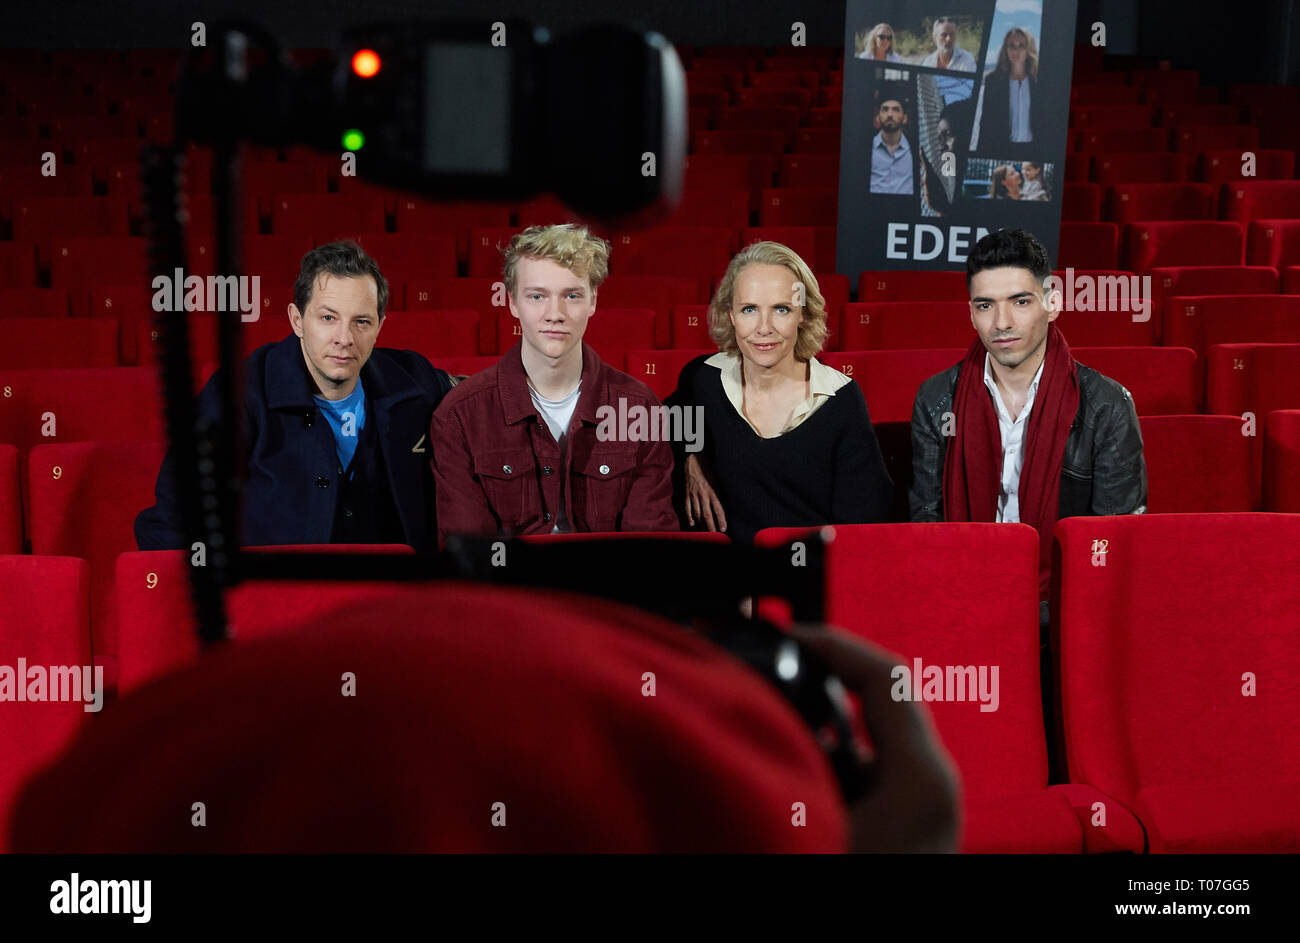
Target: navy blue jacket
x=291, y=493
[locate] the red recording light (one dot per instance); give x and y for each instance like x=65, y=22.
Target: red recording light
x=365, y=63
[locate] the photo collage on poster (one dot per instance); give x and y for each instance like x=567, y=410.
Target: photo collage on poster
x=955, y=104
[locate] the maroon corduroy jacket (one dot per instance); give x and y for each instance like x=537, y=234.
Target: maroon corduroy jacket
x=498, y=470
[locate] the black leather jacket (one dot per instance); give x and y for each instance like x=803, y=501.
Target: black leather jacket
x=1104, y=472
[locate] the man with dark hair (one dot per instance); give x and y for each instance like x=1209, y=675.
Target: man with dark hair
x=1019, y=430
x=336, y=430
x=891, y=154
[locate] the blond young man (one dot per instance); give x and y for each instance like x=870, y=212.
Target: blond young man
x=516, y=448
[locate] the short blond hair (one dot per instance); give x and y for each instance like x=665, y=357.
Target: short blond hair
x=569, y=244
x=813, y=329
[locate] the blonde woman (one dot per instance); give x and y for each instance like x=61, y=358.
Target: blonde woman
x=878, y=44
x=787, y=440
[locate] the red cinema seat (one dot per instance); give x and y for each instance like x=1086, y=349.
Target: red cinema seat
x=611, y=332
x=324, y=217
x=1090, y=92
x=1219, y=167
x=785, y=120
x=738, y=142
x=276, y=260
x=899, y=325
x=803, y=206
x=132, y=307
x=1076, y=170
x=1200, y=322
x=1181, y=242
x=265, y=179
x=465, y=366
x=1282, y=461
x=1173, y=281
x=1194, y=138
x=1255, y=378
x=660, y=293
x=890, y=378
x=408, y=257
x=1081, y=203
x=809, y=170
x=487, y=296
x=1128, y=202
x=40, y=220
x=690, y=251
x=33, y=303
x=912, y=285
x=1161, y=380
x=753, y=172
x=1122, y=140
x=1261, y=199
x=713, y=206
x=1274, y=242
x=1089, y=246
x=1106, y=309
x=817, y=140
x=1191, y=114
x=11, y=515
x=84, y=500
x=432, y=333
x=1197, y=464
x=46, y=622
x=79, y=265
x=689, y=327
x=659, y=369
x=1113, y=169
x=79, y=405
x=1111, y=116
x=1263, y=94
x=417, y=215
x=39, y=343
x=988, y=617
x=18, y=264
x=1194, y=618
x=155, y=608
x=486, y=245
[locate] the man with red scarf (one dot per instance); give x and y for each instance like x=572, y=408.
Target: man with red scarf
x=1020, y=430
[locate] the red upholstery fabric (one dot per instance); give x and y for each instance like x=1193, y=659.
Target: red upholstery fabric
x=1197, y=464
x=694, y=251
x=294, y=766
x=1257, y=378
x=18, y=264
x=84, y=499
x=1282, y=461
x=122, y=402
x=1081, y=203
x=45, y=343
x=1261, y=199
x=486, y=244
x=414, y=214
x=738, y=142
x=465, y=366
x=1128, y=202
x=1193, y=138
x=808, y=170
x=1181, y=242
x=1202, y=321
x=33, y=303
x=1219, y=167
x=1162, y=380
x=1173, y=281
x=78, y=265
x=432, y=333
x=1274, y=242
x=11, y=514
x=46, y=621
x=323, y=217
x=690, y=327
x=890, y=378
x=905, y=324
x=659, y=369
x=478, y=294
x=405, y=257
x=802, y=239
x=657, y=292
x=907, y=285
x=713, y=206
x=1187, y=732
x=1111, y=116
x=1089, y=246
x=1001, y=754
x=1116, y=320
x=803, y=206
x=132, y=307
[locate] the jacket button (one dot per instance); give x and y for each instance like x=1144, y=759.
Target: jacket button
x=322, y=481
x=546, y=518
x=604, y=469
x=507, y=469
x=546, y=469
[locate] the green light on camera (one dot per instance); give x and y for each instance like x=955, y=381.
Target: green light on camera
x=353, y=139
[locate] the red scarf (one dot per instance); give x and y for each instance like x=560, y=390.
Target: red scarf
x=972, y=471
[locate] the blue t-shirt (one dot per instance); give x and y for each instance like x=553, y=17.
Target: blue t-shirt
x=346, y=417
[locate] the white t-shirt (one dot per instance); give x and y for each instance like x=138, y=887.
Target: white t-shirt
x=558, y=413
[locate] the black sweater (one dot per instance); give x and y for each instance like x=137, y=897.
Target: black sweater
x=827, y=470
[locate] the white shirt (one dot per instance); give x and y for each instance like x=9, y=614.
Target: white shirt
x=558, y=413
x=961, y=61
x=1013, y=443
x=823, y=381
x=1021, y=132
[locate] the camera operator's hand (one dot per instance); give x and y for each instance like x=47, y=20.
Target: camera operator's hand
x=915, y=800
x=702, y=502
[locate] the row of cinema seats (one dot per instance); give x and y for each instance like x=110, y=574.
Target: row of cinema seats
x=1200, y=754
